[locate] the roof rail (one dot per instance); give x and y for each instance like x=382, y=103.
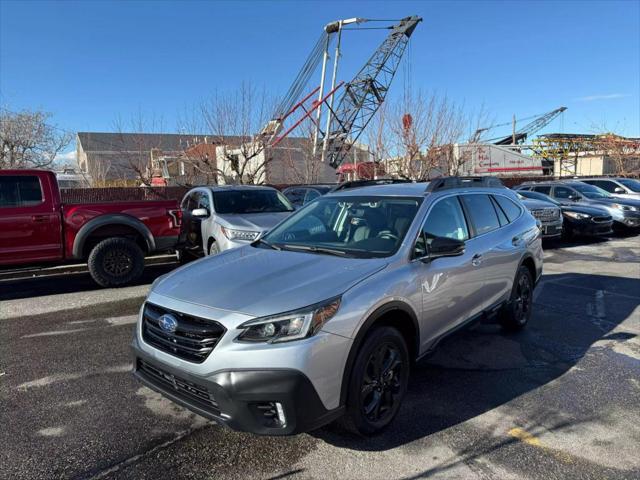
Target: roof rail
x=367, y=183
x=443, y=183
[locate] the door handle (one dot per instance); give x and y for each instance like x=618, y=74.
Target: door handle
x=39, y=218
x=476, y=259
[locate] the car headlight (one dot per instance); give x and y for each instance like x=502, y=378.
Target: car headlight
x=289, y=326
x=626, y=208
x=232, y=234
x=576, y=215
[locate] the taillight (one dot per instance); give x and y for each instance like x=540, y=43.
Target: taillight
x=176, y=216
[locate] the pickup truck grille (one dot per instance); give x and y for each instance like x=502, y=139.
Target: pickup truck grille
x=192, y=393
x=191, y=339
x=546, y=214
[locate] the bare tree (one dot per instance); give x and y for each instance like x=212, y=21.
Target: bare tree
x=418, y=133
x=234, y=120
x=28, y=140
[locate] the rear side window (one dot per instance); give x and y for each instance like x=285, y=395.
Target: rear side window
x=483, y=215
x=20, y=191
x=603, y=184
x=510, y=209
x=562, y=192
x=543, y=189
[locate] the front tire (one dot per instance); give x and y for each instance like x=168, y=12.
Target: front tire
x=517, y=312
x=115, y=262
x=378, y=381
x=214, y=248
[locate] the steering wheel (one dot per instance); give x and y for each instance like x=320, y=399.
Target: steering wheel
x=388, y=234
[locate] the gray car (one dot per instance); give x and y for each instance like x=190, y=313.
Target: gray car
x=625, y=212
x=549, y=215
x=219, y=218
x=323, y=316
x=618, y=187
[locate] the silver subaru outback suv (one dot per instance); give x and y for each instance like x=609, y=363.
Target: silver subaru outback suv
x=323, y=316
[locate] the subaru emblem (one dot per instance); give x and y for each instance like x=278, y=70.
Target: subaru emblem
x=168, y=323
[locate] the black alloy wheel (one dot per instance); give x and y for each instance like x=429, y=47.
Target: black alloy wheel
x=378, y=381
x=517, y=312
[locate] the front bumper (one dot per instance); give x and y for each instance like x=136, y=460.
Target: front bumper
x=589, y=228
x=629, y=221
x=244, y=400
x=551, y=229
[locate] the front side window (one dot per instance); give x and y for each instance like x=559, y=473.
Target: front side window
x=481, y=212
x=631, y=184
x=363, y=226
x=246, y=201
x=591, y=191
x=446, y=219
x=20, y=191
x=295, y=195
x=203, y=201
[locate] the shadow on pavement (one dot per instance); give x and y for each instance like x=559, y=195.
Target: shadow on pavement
x=69, y=283
x=482, y=368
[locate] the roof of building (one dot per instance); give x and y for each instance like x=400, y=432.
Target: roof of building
x=123, y=141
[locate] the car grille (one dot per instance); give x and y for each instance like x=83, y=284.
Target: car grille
x=601, y=219
x=193, y=339
x=190, y=392
x=547, y=214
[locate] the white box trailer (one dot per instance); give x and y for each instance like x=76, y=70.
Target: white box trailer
x=499, y=160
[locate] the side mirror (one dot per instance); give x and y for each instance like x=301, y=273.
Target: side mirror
x=573, y=197
x=200, y=213
x=618, y=190
x=445, y=247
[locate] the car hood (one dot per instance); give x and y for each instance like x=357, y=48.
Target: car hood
x=593, y=211
x=533, y=204
x=257, y=222
x=258, y=282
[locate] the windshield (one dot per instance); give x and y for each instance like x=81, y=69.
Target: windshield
x=631, y=184
x=250, y=201
x=591, y=191
x=537, y=196
x=363, y=226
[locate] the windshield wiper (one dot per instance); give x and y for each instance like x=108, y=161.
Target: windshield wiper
x=314, y=249
x=270, y=245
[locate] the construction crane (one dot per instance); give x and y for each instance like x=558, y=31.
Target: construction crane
x=519, y=136
x=359, y=100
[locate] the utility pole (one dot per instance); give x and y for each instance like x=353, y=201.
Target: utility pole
x=513, y=130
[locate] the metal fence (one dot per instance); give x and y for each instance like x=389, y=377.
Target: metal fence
x=121, y=194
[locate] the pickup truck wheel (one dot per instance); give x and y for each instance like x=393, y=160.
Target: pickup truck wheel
x=378, y=381
x=115, y=262
x=517, y=312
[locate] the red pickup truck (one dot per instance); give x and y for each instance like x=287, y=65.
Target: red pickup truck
x=113, y=238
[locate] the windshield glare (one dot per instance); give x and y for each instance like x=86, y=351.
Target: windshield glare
x=363, y=227
x=250, y=201
x=631, y=184
x=591, y=191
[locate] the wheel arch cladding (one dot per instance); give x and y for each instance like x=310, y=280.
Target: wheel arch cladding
x=394, y=314
x=111, y=225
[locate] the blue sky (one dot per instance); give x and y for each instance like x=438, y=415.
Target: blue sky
x=93, y=62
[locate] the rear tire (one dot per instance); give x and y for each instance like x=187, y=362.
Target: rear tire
x=115, y=262
x=378, y=381
x=517, y=312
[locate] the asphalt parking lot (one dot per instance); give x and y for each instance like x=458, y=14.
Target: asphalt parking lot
x=559, y=400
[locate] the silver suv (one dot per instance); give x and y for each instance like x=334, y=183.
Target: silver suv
x=323, y=316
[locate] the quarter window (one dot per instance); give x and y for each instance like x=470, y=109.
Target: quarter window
x=483, y=214
x=510, y=209
x=20, y=191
